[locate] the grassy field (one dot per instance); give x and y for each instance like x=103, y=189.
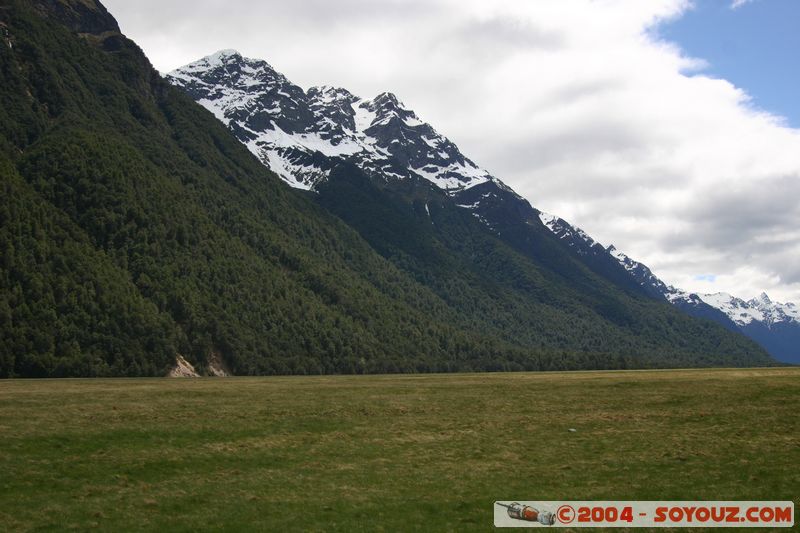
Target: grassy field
x=385, y=453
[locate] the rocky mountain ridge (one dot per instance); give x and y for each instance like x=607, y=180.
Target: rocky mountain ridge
x=297, y=132
x=774, y=325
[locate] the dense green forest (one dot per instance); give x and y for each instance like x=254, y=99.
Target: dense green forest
x=542, y=298
x=134, y=227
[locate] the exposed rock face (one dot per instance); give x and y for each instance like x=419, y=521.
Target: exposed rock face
x=182, y=369
x=217, y=367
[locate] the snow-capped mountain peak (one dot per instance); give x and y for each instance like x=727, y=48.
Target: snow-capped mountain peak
x=761, y=301
x=330, y=94
x=739, y=311
x=230, y=67
x=301, y=135
x=760, y=309
x=215, y=60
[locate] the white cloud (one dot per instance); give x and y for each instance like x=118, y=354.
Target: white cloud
x=574, y=103
x=736, y=4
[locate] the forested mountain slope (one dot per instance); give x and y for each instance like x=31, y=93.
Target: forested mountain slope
x=135, y=227
x=422, y=204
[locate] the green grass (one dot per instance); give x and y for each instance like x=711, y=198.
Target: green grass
x=385, y=453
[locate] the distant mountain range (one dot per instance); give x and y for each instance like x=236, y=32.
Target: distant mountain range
x=774, y=325
x=303, y=135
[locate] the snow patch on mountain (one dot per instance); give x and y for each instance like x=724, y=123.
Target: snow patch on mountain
x=363, y=116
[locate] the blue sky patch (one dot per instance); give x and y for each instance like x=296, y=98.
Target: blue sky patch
x=755, y=46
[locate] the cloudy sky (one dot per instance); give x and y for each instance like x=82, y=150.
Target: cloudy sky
x=664, y=127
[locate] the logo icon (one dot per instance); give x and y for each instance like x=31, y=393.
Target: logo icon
x=527, y=513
